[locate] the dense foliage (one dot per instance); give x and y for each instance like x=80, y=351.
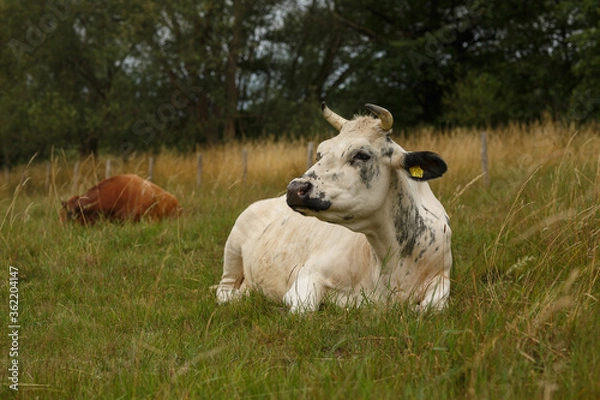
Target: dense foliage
x=143, y=75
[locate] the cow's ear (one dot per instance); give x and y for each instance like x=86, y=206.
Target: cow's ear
x=424, y=165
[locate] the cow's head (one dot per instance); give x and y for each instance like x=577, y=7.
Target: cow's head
x=356, y=170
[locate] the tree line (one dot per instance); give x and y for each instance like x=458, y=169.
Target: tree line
x=142, y=75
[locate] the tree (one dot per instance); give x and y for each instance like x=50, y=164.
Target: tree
x=69, y=72
x=476, y=101
x=143, y=75
x=584, y=102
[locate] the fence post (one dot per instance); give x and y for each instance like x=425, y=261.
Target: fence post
x=244, y=164
x=484, y=159
x=75, y=177
x=309, y=154
x=150, y=168
x=107, y=170
x=48, y=170
x=199, y=170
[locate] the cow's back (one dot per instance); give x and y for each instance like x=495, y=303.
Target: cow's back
x=132, y=197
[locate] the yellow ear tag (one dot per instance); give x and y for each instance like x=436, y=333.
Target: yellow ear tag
x=416, y=171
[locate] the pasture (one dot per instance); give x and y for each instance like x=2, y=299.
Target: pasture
x=126, y=311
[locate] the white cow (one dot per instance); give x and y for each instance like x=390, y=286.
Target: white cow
x=361, y=224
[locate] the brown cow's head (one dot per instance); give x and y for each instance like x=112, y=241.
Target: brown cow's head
x=70, y=210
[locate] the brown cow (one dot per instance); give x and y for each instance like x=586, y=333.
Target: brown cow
x=120, y=198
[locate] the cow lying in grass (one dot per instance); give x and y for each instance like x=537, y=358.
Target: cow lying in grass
x=361, y=224
x=120, y=198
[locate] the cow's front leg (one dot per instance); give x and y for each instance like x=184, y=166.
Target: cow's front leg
x=436, y=294
x=230, y=287
x=306, y=293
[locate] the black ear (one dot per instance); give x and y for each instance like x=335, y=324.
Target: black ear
x=424, y=165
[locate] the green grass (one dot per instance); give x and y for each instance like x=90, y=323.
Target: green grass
x=125, y=311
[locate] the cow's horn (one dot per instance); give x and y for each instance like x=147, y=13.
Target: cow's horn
x=86, y=204
x=335, y=120
x=385, y=117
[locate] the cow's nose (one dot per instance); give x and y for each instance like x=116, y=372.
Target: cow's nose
x=299, y=188
x=297, y=193
x=299, y=197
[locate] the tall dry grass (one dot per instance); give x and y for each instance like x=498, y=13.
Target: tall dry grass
x=517, y=148
x=222, y=166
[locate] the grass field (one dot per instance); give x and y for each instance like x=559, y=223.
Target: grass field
x=125, y=311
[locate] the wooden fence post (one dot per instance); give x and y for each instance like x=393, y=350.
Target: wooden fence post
x=244, y=164
x=48, y=171
x=309, y=155
x=150, y=168
x=484, y=159
x=199, y=170
x=75, y=177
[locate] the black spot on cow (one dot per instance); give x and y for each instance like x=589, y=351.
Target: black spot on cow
x=368, y=168
x=312, y=175
x=409, y=224
x=431, y=237
x=387, y=152
x=421, y=253
x=368, y=172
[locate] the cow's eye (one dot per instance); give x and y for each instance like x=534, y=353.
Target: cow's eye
x=362, y=156
x=319, y=156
